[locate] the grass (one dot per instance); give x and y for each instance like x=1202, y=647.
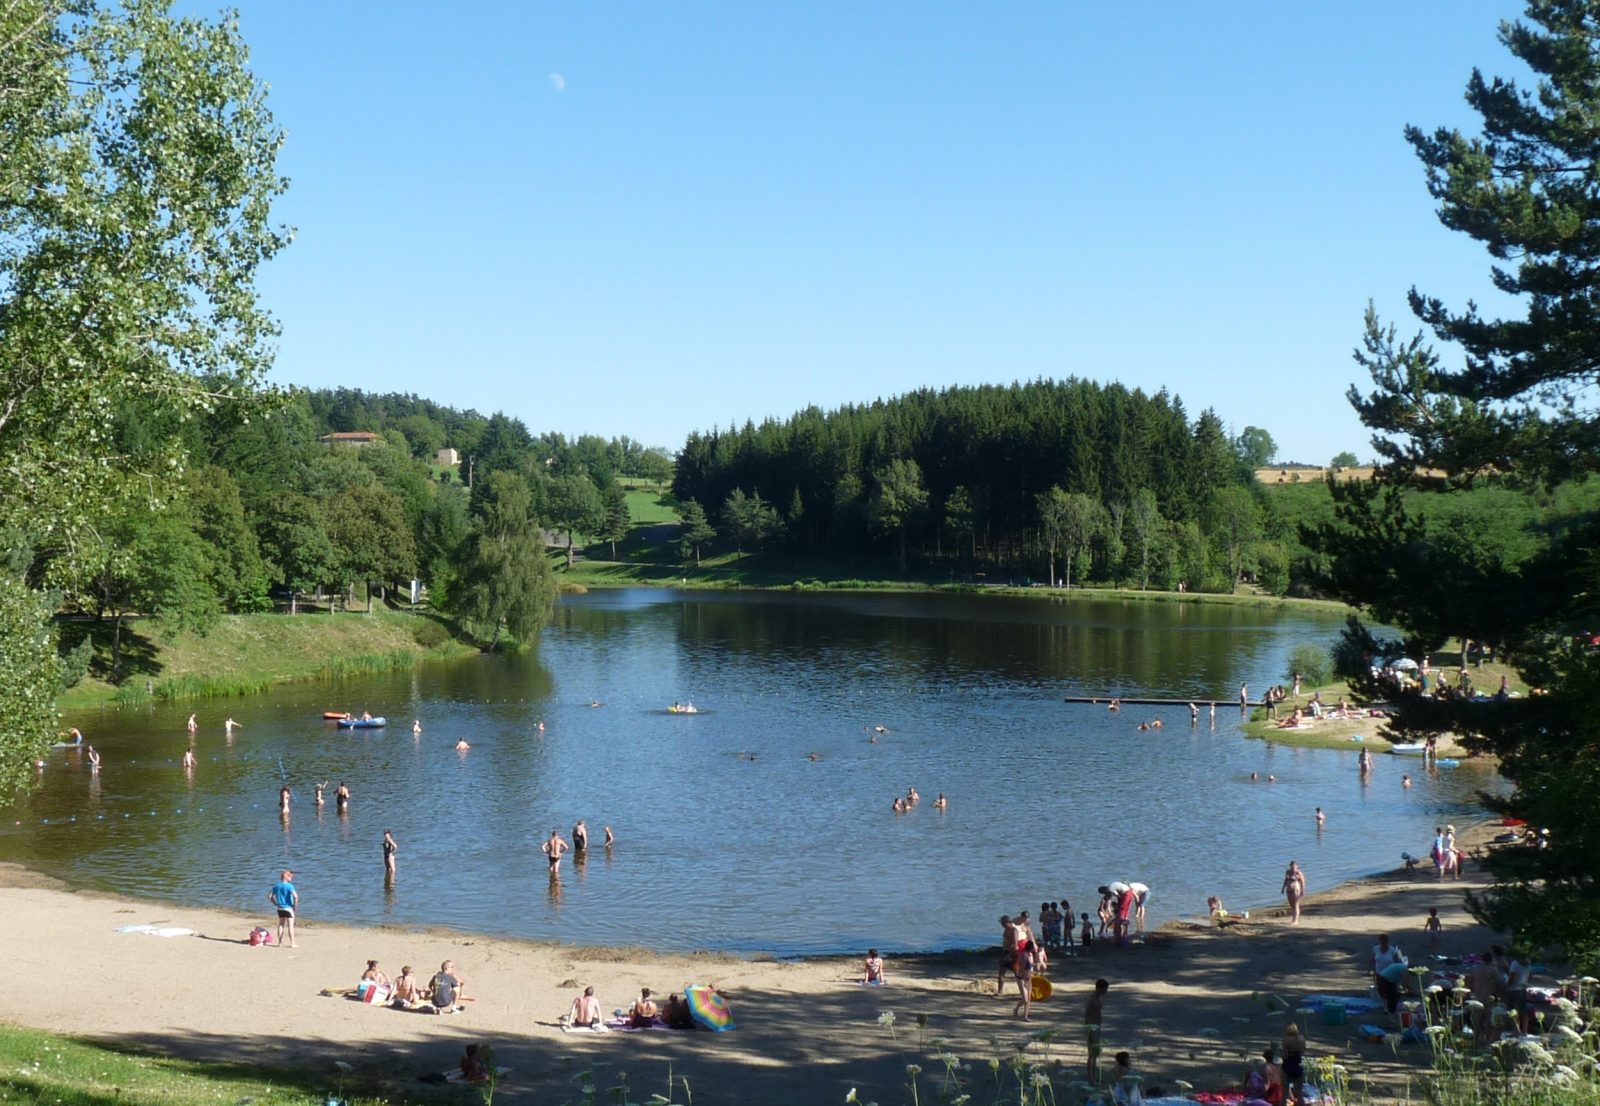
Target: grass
x=1338, y=733
x=45, y=1069
x=245, y=654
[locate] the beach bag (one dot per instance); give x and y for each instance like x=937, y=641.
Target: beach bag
x=376, y=993
x=260, y=936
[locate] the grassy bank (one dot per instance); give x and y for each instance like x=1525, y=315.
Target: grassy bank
x=731, y=570
x=49, y=1068
x=244, y=654
x=1341, y=733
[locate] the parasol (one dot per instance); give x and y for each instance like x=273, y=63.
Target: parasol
x=709, y=1008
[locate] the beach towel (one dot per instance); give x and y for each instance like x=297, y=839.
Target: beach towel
x=158, y=931
x=601, y=1028
x=1373, y=1033
x=1351, y=1004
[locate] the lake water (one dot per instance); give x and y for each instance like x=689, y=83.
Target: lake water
x=728, y=835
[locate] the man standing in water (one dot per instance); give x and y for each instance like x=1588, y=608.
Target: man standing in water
x=284, y=896
x=553, y=849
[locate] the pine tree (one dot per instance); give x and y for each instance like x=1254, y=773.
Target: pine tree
x=1515, y=407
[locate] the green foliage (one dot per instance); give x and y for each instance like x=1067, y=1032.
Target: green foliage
x=1518, y=411
x=899, y=500
x=614, y=502
x=750, y=519
x=695, y=532
x=30, y=677
x=506, y=583
x=75, y=662
x=1314, y=663
x=1256, y=447
x=1343, y=460
x=571, y=503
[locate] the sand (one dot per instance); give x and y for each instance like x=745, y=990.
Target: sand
x=1188, y=1002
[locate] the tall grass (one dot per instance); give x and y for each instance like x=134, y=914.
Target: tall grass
x=191, y=686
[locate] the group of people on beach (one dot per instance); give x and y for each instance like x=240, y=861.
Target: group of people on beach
x=1024, y=952
x=444, y=993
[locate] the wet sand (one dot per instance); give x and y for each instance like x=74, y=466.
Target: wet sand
x=1189, y=1002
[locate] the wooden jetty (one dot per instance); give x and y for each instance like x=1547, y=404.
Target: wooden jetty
x=1105, y=700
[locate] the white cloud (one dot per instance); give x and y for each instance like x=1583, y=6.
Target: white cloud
x=558, y=82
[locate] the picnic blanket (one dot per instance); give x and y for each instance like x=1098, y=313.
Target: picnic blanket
x=1351, y=1003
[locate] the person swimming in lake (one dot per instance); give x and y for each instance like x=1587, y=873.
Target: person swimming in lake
x=1405, y=780
x=610, y=837
x=320, y=788
x=416, y=726
x=390, y=848
x=94, y=759
x=941, y=802
x=194, y=727
x=188, y=758
x=284, y=795
x=912, y=798
x=341, y=798
x=899, y=805
x=461, y=745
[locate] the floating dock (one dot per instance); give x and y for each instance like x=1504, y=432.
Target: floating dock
x=1127, y=701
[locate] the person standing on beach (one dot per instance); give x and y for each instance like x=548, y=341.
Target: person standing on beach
x=390, y=847
x=552, y=850
x=1093, y=1021
x=1385, y=955
x=1294, y=889
x=1008, y=951
x=1141, y=896
x=284, y=896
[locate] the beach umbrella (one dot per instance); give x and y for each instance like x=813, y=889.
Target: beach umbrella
x=1404, y=663
x=709, y=1008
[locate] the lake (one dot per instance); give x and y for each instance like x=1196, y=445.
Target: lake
x=729, y=836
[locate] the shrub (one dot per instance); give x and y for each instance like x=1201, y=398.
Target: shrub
x=1313, y=662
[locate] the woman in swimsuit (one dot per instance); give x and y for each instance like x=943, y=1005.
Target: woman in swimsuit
x=1294, y=889
x=390, y=847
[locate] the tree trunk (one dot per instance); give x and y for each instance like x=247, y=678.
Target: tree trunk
x=495, y=641
x=569, y=550
x=116, y=648
x=1066, y=565
x=293, y=596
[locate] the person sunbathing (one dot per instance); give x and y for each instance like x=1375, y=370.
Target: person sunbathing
x=676, y=1015
x=585, y=1010
x=642, y=1013
x=407, y=991
x=374, y=975
x=1293, y=722
x=874, y=968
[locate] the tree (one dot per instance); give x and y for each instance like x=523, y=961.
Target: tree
x=372, y=543
x=1343, y=460
x=899, y=500
x=750, y=518
x=1070, y=522
x=296, y=546
x=506, y=583
x=1517, y=406
x=1236, y=522
x=136, y=178
x=695, y=530
x=958, y=516
x=614, y=502
x=1255, y=447
x=1145, y=528
x=572, y=504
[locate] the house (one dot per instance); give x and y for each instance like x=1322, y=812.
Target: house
x=447, y=456
x=352, y=437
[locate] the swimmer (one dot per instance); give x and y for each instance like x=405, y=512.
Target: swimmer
x=229, y=726
x=539, y=726
x=416, y=726
x=1254, y=776
x=321, y=787
x=1144, y=725
x=1213, y=712
x=813, y=756
x=611, y=838
x=1405, y=781
x=899, y=805
x=194, y=726
x=880, y=729
x=1271, y=778
x=284, y=795
x=77, y=737
x=188, y=758
x=1194, y=713
x=94, y=760
x=596, y=703
x=1321, y=817
x=941, y=802
x=1156, y=724
x=461, y=745
x=912, y=798
x=341, y=798
x=1115, y=704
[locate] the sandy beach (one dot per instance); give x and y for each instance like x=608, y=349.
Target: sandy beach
x=1189, y=1002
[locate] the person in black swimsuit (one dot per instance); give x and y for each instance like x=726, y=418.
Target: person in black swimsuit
x=389, y=849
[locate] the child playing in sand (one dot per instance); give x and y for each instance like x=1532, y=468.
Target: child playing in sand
x=874, y=966
x=1432, y=927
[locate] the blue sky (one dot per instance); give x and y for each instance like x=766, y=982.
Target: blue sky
x=646, y=219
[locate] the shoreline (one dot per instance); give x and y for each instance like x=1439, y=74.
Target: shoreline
x=1188, y=1001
